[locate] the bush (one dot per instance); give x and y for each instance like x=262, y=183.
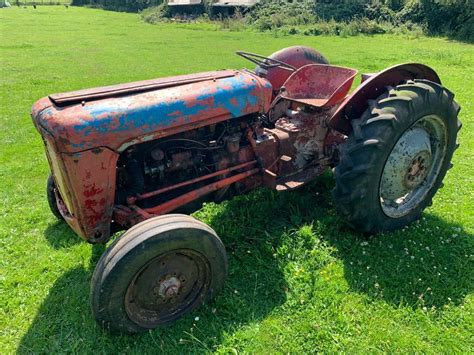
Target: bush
x=271, y=14
x=339, y=10
x=119, y=5
x=331, y=17
x=263, y=24
x=234, y=23
x=156, y=14
x=451, y=17
x=350, y=28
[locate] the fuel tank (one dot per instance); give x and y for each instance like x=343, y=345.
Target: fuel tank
x=119, y=116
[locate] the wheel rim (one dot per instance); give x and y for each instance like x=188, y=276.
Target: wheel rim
x=413, y=166
x=167, y=287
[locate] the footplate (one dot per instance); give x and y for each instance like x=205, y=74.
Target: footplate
x=297, y=180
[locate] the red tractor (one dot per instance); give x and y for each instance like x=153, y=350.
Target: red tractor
x=125, y=156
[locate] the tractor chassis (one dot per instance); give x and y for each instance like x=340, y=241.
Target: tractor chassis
x=269, y=160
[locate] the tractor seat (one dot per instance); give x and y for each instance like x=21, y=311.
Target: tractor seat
x=319, y=85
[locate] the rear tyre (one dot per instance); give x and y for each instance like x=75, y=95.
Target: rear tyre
x=156, y=272
x=396, y=156
x=51, y=192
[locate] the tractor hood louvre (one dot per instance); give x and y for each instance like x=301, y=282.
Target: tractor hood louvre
x=74, y=97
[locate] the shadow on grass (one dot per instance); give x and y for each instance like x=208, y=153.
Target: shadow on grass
x=59, y=235
x=425, y=265
x=254, y=287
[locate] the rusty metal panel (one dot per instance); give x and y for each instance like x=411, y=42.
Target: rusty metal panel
x=296, y=56
x=319, y=85
x=355, y=104
x=86, y=182
x=113, y=122
x=91, y=175
x=57, y=170
x=73, y=97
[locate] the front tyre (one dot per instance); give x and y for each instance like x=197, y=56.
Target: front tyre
x=396, y=156
x=52, y=193
x=156, y=272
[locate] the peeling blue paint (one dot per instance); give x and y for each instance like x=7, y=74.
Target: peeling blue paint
x=104, y=121
x=233, y=94
x=239, y=91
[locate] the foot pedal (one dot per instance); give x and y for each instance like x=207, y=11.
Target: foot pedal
x=297, y=180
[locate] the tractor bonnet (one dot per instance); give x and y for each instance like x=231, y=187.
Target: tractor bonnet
x=117, y=116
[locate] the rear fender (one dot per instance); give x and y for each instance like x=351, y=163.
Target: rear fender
x=356, y=103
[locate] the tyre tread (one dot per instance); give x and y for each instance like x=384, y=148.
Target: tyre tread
x=377, y=127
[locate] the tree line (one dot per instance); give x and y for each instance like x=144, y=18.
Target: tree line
x=454, y=18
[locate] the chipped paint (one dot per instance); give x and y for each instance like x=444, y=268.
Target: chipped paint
x=112, y=122
x=355, y=104
x=84, y=139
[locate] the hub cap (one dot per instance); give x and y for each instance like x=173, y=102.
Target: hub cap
x=168, y=286
x=413, y=166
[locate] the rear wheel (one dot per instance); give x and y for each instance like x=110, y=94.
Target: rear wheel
x=156, y=272
x=396, y=157
x=51, y=193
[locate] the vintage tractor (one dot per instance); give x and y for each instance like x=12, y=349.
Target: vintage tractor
x=125, y=156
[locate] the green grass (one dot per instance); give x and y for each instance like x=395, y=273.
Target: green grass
x=16, y=3
x=299, y=279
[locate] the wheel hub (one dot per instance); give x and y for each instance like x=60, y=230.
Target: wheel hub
x=412, y=167
x=169, y=287
x=404, y=169
x=166, y=287
x=417, y=170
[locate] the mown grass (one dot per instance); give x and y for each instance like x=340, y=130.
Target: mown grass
x=18, y=3
x=299, y=279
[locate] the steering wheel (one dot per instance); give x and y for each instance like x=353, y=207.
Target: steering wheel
x=265, y=62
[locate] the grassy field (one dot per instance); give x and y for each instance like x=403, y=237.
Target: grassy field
x=299, y=280
x=16, y=3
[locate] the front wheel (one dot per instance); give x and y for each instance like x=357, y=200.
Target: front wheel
x=156, y=272
x=396, y=157
x=52, y=193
